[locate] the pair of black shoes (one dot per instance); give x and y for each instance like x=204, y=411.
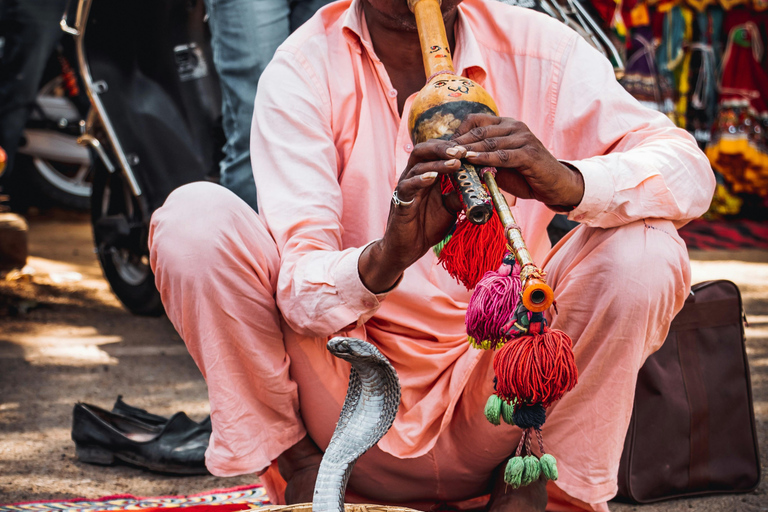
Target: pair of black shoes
x=173, y=445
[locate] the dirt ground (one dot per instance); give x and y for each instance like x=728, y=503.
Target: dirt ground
x=65, y=338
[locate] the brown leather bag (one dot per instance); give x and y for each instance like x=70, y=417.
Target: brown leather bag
x=693, y=426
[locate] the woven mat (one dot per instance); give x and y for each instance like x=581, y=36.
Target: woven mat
x=222, y=500
x=729, y=235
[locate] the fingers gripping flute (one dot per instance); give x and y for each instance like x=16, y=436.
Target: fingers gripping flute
x=534, y=365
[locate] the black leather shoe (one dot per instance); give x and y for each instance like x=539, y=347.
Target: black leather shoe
x=102, y=437
x=123, y=408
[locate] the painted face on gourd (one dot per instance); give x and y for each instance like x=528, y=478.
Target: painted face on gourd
x=443, y=103
x=439, y=52
x=457, y=87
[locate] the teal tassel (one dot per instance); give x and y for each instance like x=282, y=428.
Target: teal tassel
x=493, y=409
x=513, y=473
x=532, y=470
x=549, y=466
x=507, y=409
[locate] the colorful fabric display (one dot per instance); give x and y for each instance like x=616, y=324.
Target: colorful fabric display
x=739, y=149
x=702, y=63
x=641, y=77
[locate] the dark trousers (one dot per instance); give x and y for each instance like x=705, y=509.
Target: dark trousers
x=29, y=30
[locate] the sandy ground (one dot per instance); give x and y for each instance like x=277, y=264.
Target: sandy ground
x=65, y=338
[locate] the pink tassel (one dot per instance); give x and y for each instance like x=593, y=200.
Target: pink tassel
x=492, y=304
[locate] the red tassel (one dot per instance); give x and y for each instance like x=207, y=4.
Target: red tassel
x=536, y=368
x=446, y=187
x=474, y=250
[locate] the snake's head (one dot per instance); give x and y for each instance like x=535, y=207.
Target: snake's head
x=354, y=350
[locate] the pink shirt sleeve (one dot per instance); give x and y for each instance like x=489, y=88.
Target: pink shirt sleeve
x=645, y=166
x=319, y=291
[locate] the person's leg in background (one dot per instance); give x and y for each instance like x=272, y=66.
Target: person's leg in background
x=246, y=34
x=29, y=30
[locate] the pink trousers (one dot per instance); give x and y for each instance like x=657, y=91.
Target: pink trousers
x=216, y=267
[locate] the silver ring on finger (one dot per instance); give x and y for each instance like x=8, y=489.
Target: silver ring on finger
x=397, y=201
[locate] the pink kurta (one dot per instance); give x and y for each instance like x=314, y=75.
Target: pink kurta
x=327, y=147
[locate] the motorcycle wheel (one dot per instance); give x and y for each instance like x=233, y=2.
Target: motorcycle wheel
x=120, y=228
x=65, y=184
x=66, y=181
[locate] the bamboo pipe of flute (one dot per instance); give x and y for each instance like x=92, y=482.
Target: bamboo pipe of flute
x=431, y=28
x=537, y=296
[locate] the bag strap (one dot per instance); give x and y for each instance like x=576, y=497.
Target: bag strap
x=704, y=315
x=699, y=474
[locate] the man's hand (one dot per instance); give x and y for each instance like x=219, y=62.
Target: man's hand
x=413, y=228
x=526, y=168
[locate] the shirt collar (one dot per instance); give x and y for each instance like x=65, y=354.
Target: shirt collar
x=468, y=58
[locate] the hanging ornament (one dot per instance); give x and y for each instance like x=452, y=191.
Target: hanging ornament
x=533, y=371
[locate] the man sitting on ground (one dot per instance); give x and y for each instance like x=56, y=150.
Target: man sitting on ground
x=255, y=297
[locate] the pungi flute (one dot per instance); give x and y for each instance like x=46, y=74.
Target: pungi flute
x=437, y=112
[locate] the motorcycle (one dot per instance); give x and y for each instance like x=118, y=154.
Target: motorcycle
x=146, y=66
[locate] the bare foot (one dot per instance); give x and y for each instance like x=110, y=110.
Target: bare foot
x=531, y=498
x=298, y=465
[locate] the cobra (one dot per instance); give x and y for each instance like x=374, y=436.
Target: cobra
x=369, y=410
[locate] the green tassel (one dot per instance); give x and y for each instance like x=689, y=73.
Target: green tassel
x=493, y=408
x=483, y=345
x=532, y=470
x=438, y=248
x=513, y=473
x=549, y=466
x=506, y=412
